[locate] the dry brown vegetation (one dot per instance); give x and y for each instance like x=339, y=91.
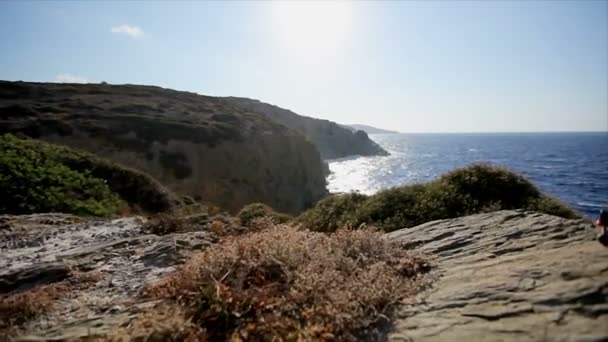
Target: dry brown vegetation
x=19, y=307
x=282, y=283
x=163, y=223
x=165, y=323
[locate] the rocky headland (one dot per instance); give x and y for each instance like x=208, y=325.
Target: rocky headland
x=196, y=145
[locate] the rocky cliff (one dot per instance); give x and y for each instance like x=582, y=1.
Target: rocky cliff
x=196, y=145
x=508, y=276
x=332, y=140
x=501, y=276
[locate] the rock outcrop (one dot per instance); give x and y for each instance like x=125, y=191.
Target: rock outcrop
x=508, y=276
x=42, y=249
x=332, y=140
x=501, y=276
x=196, y=145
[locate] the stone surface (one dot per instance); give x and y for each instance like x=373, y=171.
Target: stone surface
x=508, y=276
x=42, y=248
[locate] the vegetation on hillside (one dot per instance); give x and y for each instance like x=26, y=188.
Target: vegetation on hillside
x=282, y=283
x=254, y=211
x=39, y=177
x=470, y=190
x=331, y=139
x=196, y=145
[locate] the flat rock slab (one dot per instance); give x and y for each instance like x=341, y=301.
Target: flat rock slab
x=508, y=276
x=43, y=249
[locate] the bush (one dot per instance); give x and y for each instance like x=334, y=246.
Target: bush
x=470, y=190
x=332, y=212
x=254, y=211
x=163, y=224
x=39, y=177
x=287, y=284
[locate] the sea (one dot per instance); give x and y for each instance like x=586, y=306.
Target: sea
x=570, y=166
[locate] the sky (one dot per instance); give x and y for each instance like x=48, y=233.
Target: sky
x=410, y=66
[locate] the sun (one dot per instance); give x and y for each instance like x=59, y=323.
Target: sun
x=312, y=30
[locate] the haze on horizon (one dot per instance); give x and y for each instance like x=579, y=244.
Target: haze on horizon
x=456, y=66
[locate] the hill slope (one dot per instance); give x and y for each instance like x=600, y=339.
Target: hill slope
x=36, y=177
x=196, y=145
x=332, y=140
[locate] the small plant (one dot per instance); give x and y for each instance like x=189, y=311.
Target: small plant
x=254, y=211
x=165, y=323
x=163, y=224
x=287, y=284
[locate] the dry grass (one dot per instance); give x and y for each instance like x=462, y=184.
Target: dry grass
x=166, y=323
x=164, y=223
x=20, y=307
x=287, y=284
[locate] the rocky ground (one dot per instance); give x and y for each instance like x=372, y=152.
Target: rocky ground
x=500, y=276
x=509, y=276
x=43, y=249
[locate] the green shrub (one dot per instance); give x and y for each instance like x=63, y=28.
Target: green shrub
x=332, y=212
x=474, y=189
x=41, y=177
x=254, y=211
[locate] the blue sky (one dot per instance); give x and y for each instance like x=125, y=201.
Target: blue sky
x=411, y=66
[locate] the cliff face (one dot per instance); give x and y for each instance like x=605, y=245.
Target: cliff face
x=508, y=276
x=332, y=140
x=196, y=145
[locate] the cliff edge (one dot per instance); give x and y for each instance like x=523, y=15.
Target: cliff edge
x=196, y=145
x=332, y=140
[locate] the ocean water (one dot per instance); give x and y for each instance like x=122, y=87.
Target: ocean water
x=571, y=166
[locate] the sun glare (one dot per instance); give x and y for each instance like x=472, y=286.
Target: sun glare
x=312, y=30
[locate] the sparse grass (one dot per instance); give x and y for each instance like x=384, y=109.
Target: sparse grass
x=166, y=323
x=470, y=190
x=287, y=284
x=254, y=211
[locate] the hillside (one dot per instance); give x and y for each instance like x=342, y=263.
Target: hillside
x=195, y=145
x=371, y=130
x=332, y=140
x=37, y=177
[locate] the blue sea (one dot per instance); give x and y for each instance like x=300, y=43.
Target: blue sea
x=571, y=166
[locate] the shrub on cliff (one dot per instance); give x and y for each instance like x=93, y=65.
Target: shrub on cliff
x=254, y=211
x=474, y=189
x=39, y=177
x=332, y=212
x=282, y=283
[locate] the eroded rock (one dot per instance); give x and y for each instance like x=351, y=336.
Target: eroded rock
x=41, y=251
x=508, y=276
